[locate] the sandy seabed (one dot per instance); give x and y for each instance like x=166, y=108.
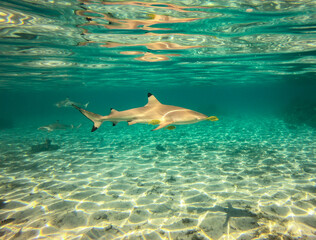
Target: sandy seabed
x=232, y=179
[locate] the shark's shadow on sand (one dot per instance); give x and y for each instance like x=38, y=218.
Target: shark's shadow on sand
x=44, y=147
x=230, y=211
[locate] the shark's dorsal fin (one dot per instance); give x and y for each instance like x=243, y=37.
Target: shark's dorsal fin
x=152, y=100
x=113, y=110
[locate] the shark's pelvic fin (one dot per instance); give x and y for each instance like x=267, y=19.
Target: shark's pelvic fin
x=132, y=123
x=152, y=100
x=95, y=118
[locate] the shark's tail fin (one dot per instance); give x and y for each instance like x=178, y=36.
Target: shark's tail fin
x=95, y=118
x=73, y=126
x=86, y=105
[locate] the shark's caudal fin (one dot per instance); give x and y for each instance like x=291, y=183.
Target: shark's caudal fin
x=95, y=118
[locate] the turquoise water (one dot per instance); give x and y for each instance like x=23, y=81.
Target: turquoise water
x=249, y=175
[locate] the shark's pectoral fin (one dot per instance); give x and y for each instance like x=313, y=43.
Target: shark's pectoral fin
x=162, y=125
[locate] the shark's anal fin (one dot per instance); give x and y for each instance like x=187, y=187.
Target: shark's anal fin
x=162, y=125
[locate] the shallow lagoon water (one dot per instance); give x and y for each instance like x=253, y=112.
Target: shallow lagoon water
x=197, y=182
x=249, y=175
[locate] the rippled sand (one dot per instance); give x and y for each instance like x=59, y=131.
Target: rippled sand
x=232, y=179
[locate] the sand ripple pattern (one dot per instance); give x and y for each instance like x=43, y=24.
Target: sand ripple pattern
x=200, y=182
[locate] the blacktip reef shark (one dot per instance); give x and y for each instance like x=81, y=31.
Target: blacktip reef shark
x=154, y=113
x=68, y=103
x=57, y=126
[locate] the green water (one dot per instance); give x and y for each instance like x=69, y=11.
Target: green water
x=250, y=175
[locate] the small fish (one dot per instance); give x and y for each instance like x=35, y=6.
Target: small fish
x=170, y=127
x=57, y=126
x=212, y=118
x=6, y=221
x=154, y=122
x=151, y=16
x=68, y=103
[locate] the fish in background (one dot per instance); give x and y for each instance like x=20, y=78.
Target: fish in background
x=68, y=103
x=153, y=113
x=58, y=126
